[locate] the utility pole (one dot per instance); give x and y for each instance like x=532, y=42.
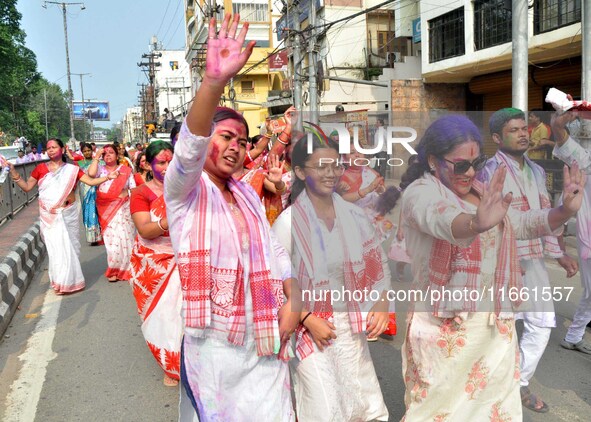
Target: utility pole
x=83, y=103
x=46, y=128
x=520, y=73
x=312, y=65
x=64, y=7
x=151, y=69
x=295, y=41
x=585, y=135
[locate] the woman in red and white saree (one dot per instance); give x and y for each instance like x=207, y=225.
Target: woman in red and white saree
x=154, y=273
x=112, y=203
x=234, y=275
x=59, y=214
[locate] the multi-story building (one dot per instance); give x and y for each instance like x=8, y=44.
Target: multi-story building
x=133, y=125
x=249, y=89
x=173, y=82
x=468, y=46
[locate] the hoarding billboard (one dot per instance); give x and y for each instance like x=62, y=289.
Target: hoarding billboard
x=92, y=110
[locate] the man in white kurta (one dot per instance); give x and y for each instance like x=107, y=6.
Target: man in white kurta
x=527, y=182
x=569, y=151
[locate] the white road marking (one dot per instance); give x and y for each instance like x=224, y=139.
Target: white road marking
x=25, y=391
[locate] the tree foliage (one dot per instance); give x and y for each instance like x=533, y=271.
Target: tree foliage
x=18, y=71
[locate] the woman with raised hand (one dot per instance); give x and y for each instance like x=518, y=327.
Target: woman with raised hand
x=234, y=275
x=460, y=357
x=60, y=215
x=112, y=202
x=334, y=249
x=154, y=273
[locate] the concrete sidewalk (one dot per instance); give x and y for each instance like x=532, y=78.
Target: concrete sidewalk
x=21, y=253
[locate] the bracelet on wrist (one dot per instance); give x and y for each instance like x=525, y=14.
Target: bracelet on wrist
x=282, y=190
x=160, y=225
x=359, y=193
x=306, y=317
x=16, y=179
x=282, y=138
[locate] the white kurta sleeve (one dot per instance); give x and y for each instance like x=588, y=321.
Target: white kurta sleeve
x=572, y=151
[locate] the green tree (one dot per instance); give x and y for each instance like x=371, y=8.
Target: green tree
x=18, y=71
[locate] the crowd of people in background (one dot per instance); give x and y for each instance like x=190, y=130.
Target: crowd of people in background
x=221, y=236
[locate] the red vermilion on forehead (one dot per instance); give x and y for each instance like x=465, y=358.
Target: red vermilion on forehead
x=165, y=155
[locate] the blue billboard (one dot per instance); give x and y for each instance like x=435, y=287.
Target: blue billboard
x=91, y=110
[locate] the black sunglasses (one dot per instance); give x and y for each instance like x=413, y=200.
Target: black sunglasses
x=461, y=167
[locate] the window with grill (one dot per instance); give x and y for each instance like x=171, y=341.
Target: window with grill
x=247, y=86
x=251, y=12
x=492, y=23
x=553, y=14
x=446, y=36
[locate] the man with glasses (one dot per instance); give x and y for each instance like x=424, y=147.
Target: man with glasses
x=527, y=181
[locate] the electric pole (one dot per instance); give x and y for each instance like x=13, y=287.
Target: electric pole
x=151, y=69
x=520, y=72
x=585, y=135
x=64, y=7
x=312, y=65
x=295, y=42
x=83, y=103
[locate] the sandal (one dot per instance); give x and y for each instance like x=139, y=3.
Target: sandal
x=170, y=382
x=532, y=402
x=582, y=346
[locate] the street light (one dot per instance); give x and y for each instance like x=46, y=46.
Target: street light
x=64, y=6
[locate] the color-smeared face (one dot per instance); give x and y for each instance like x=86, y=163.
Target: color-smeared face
x=460, y=184
x=110, y=156
x=87, y=153
x=54, y=151
x=144, y=165
x=319, y=172
x=515, y=138
x=227, y=149
x=160, y=163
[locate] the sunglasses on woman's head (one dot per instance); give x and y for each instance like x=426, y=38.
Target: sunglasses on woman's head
x=462, y=166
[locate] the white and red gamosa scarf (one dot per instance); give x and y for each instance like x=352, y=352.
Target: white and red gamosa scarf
x=214, y=259
x=456, y=268
x=363, y=263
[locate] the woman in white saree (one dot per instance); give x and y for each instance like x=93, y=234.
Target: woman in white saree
x=59, y=214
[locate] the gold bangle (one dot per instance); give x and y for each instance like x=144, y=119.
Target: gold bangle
x=282, y=190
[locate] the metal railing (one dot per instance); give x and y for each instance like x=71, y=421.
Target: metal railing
x=12, y=198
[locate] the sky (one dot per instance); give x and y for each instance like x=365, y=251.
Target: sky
x=107, y=39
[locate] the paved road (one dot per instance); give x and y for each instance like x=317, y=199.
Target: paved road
x=82, y=358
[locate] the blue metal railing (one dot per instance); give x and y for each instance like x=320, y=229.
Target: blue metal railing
x=12, y=198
